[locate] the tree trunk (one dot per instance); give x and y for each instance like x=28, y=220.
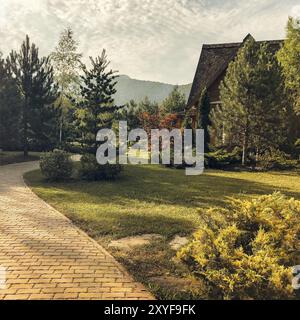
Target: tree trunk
x=25, y=127
x=223, y=134
x=257, y=156
x=245, y=147
x=60, y=131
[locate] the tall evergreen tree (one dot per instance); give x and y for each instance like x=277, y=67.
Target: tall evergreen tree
x=146, y=105
x=96, y=109
x=66, y=63
x=174, y=103
x=34, y=78
x=130, y=113
x=252, y=94
x=204, y=121
x=289, y=57
x=44, y=117
x=10, y=108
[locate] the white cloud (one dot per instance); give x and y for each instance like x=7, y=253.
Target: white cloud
x=149, y=39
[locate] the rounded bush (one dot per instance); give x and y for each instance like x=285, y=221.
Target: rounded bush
x=56, y=165
x=91, y=170
x=247, y=251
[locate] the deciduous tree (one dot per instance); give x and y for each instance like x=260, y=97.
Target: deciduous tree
x=66, y=62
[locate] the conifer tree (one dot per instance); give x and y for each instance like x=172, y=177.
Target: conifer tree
x=204, y=118
x=289, y=57
x=34, y=79
x=44, y=116
x=174, y=103
x=252, y=99
x=151, y=107
x=96, y=109
x=10, y=109
x=130, y=113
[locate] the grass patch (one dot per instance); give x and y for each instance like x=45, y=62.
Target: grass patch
x=9, y=157
x=153, y=199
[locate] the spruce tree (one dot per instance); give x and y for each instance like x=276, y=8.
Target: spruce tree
x=96, y=109
x=204, y=121
x=151, y=107
x=174, y=103
x=66, y=63
x=130, y=113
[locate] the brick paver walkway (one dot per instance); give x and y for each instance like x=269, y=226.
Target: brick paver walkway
x=46, y=256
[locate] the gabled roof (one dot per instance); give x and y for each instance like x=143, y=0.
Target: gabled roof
x=214, y=60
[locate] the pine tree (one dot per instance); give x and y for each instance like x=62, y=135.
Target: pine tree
x=252, y=94
x=96, y=109
x=174, y=103
x=44, y=116
x=10, y=109
x=289, y=57
x=270, y=113
x=34, y=79
x=66, y=63
x=204, y=121
x=130, y=113
x=151, y=107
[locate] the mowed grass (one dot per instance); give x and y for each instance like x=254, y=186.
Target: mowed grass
x=154, y=199
x=9, y=157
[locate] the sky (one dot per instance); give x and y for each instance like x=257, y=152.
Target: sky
x=157, y=40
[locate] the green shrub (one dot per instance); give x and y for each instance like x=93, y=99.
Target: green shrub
x=56, y=165
x=274, y=159
x=92, y=171
x=221, y=159
x=247, y=250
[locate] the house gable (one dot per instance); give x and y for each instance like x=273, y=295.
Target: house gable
x=212, y=66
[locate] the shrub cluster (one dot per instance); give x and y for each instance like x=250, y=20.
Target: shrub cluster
x=91, y=170
x=56, y=165
x=221, y=159
x=274, y=159
x=247, y=250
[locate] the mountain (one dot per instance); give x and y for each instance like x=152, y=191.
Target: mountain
x=128, y=89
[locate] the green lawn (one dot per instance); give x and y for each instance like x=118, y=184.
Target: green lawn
x=8, y=157
x=153, y=199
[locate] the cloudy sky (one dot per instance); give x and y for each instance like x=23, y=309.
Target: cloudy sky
x=145, y=39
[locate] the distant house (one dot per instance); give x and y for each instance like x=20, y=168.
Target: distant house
x=212, y=66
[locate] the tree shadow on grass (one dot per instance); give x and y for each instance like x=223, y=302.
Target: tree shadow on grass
x=162, y=186
x=128, y=225
x=147, y=199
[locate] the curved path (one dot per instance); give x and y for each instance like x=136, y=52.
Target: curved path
x=44, y=256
